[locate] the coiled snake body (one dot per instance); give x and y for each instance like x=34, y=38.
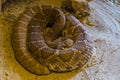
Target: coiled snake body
x=49, y=39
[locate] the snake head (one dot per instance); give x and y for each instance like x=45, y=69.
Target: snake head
x=65, y=44
x=68, y=42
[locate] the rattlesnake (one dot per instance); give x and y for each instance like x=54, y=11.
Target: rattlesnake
x=49, y=39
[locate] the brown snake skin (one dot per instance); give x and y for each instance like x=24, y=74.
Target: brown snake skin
x=49, y=39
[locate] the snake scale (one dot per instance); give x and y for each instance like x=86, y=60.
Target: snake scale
x=49, y=39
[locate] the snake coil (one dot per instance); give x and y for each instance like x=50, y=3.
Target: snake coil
x=49, y=39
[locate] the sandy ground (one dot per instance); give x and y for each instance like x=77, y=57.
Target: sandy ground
x=105, y=32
